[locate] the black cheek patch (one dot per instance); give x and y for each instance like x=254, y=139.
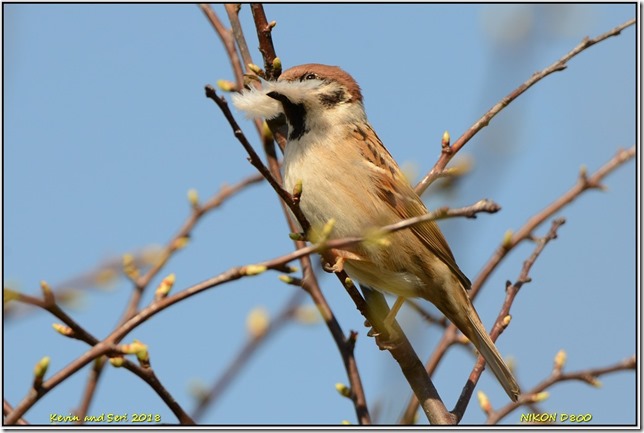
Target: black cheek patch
x=331, y=99
x=295, y=114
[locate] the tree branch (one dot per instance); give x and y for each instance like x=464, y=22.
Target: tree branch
x=207, y=400
x=266, y=47
x=226, y=37
x=503, y=319
x=583, y=184
x=448, y=152
x=589, y=376
x=254, y=159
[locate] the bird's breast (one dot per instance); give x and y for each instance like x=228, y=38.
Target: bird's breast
x=333, y=185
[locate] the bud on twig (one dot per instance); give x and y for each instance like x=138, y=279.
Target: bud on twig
x=181, y=242
x=445, y=140
x=507, y=239
x=307, y=315
x=297, y=236
x=560, y=361
x=193, y=198
x=252, y=270
x=277, y=62
x=63, y=330
x=165, y=287
x=343, y=390
x=47, y=293
x=255, y=69
x=117, y=361
x=297, y=191
x=286, y=279
x=40, y=370
x=129, y=267
x=9, y=295
x=506, y=321
x=257, y=322
x=540, y=396
x=267, y=134
x=484, y=402
x=140, y=350
x=593, y=381
x=326, y=230
x=226, y=85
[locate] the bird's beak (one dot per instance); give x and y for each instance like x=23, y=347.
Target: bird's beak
x=275, y=95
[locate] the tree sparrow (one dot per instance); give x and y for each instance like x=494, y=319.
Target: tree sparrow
x=347, y=174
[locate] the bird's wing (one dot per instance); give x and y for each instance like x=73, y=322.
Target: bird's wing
x=394, y=190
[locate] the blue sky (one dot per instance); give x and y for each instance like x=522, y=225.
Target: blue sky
x=107, y=127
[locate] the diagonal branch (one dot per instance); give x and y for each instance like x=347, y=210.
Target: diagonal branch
x=198, y=211
x=589, y=376
x=254, y=158
x=207, y=400
x=503, y=319
x=448, y=152
x=583, y=184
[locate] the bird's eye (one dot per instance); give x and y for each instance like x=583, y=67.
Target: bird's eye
x=310, y=76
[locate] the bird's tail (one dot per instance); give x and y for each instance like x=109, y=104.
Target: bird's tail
x=477, y=334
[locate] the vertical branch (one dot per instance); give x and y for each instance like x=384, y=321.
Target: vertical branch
x=266, y=47
x=229, y=44
x=309, y=283
x=232, y=9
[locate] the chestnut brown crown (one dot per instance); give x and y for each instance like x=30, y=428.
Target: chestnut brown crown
x=324, y=73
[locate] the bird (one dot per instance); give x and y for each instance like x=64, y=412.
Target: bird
x=348, y=176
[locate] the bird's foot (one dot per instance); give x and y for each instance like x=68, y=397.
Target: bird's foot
x=386, y=340
x=333, y=259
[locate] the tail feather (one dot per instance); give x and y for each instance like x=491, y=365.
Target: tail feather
x=488, y=350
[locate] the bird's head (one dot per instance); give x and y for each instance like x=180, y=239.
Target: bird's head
x=311, y=96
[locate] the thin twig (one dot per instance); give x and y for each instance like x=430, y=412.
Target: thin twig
x=583, y=184
x=7, y=408
x=108, y=345
x=227, y=40
x=499, y=326
x=232, y=9
x=448, y=152
x=254, y=158
x=91, y=386
x=198, y=211
x=424, y=314
x=311, y=286
x=78, y=332
x=588, y=376
x=149, y=377
x=207, y=400
x=310, y=283
x=265, y=41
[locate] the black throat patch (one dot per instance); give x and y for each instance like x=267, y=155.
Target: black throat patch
x=295, y=114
